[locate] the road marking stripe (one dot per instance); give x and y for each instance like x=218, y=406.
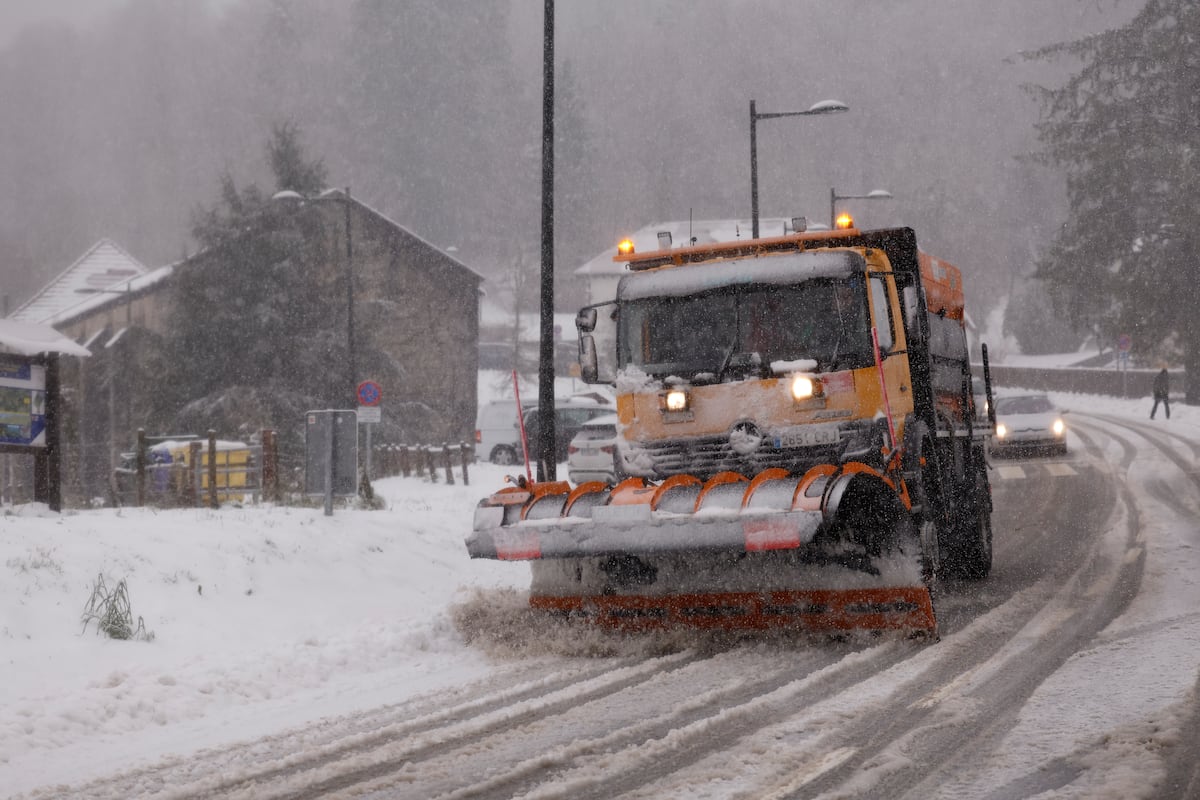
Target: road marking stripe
x=1009, y=473
x=1060, y=469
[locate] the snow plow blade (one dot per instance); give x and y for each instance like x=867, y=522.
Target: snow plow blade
x=831, y=550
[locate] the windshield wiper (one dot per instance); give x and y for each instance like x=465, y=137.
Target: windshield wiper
x=727, y=359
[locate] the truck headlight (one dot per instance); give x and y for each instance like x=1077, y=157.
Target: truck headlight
x=802, y=387
x=677, y=400
x=1001, y=431
x=1058, y=427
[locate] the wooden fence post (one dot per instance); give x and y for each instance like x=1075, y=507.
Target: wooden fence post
x=270, y=466
x=446, y=461
x=405, y=466
x=140, y=461
x=193, y=476
x=428, y=452
x=462, y=449
x=212, y=469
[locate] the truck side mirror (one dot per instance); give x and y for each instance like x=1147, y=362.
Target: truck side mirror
x=588, y=369
x=585, y=320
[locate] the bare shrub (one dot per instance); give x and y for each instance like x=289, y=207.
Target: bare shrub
x=112, y=612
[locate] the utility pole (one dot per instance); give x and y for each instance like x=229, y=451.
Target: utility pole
x=547, y=468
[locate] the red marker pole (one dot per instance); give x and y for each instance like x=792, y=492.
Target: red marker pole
x=521, y=421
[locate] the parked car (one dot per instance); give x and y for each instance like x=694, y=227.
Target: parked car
x=1028, y=422
x=498, y=432
x=592, y=454
x=569, y=417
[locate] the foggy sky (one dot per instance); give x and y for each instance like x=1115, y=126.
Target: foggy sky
x=937, y=117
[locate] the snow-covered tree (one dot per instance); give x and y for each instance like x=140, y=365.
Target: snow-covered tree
x=1123, y=128
x=253, y=339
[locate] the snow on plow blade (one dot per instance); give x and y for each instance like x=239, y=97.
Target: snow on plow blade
x=726, y=513
x=730, y=552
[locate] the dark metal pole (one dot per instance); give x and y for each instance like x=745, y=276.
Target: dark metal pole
x=47, y=465
x=350, y=355
x=547, y=467
x=832, y=208
x=753, y=172
x=127, y=357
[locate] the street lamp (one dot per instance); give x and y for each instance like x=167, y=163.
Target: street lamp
x=823, y=107
x=343, y=197
x=834, y=197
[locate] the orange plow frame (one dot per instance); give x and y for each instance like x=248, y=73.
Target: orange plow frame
x=906, y=608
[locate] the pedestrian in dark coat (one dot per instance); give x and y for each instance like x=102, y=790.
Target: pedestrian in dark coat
x=1162, y=390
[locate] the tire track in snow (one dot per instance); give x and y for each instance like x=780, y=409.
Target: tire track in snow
x=354, y=766
x=223, y=770
x=673, y=740
x=1021, y=676
x=940, y=712
x=793, y=753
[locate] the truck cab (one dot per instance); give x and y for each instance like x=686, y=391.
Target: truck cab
x=735, y=360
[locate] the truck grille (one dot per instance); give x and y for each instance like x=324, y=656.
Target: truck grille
x=708, y=455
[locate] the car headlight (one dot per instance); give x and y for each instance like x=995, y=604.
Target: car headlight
x=677, y=400
x=1001, y=431
x=1058, y=427
x=803, y=387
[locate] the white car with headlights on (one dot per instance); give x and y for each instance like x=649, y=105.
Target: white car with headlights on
x=1027, y=423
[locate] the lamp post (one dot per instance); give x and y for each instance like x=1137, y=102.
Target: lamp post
x=823, y=107
x=834, y=197
x=343, y=197
x=546, y=459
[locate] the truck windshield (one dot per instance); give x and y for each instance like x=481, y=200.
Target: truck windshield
x=825, y=320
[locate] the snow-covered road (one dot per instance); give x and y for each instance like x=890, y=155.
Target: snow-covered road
x=1071, y=672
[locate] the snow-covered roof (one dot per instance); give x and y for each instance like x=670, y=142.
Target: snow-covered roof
x=89, y=300
x=708, y=231
x=101, y=268
x=31, y=339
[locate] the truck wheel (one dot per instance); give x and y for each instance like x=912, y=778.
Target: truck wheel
x=970, y=554
x=503, y=455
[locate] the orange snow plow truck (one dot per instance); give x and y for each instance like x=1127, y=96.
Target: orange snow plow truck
x=797, y=412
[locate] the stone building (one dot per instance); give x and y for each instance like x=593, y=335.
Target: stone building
x=410, y=300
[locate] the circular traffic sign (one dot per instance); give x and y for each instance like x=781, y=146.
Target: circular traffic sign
x=369, y=393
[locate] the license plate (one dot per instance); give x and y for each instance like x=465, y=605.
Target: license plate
x=807, y=436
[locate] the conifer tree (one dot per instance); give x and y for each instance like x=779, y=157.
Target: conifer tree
x=1123, y=128
x=253, y=341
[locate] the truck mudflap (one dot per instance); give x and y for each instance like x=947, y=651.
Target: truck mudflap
x=829, y=550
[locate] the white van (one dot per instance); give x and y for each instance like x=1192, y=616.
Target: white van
x=498, y=433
